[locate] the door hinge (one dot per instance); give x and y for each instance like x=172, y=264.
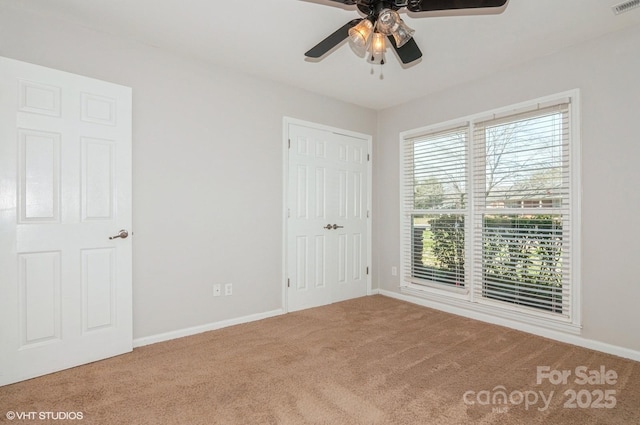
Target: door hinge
x=368, y=157
x=368, y=214
x=367, y=270
x=288, y=283
x=288, y=212
x=289, y=145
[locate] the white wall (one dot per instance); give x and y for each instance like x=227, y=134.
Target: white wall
x=606, y=71
x=207, y=177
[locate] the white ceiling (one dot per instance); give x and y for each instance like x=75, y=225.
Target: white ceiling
x=268, y=38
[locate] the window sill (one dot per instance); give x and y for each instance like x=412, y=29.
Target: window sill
x=442, y=300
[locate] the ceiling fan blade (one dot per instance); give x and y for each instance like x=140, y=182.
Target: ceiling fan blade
x=430, y=5
x=409, y=52
x=347, y=2
x=333, y=40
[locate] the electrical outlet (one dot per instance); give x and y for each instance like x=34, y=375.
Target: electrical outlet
x=217, y=290
x=394, y=271
x=228, y=288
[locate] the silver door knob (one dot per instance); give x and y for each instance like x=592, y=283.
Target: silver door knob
x=121, y=234
x=335, y=226
x=328, y=227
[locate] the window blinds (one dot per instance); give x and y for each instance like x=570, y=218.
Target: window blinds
x=487, y=206
x=436, y=198
x=521, y=208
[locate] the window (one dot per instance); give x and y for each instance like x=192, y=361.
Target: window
x=489, y=213
x=438, y=201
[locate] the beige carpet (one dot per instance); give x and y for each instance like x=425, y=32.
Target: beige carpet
x=372, y=360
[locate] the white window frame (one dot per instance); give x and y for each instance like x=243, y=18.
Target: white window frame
x=454, y=298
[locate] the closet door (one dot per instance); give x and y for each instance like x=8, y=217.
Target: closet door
x=327, y=226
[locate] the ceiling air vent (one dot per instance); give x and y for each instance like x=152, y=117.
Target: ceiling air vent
x=625, y=6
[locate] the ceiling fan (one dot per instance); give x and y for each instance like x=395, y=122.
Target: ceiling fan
x=382, y=21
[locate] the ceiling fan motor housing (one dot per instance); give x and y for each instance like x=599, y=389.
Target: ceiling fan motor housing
x=372, y=8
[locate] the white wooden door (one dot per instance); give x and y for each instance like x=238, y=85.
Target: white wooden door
x=65, y=188
x=327, y=226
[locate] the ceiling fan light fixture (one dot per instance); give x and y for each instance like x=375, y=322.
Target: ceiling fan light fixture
x=403, y=34
x=388, y=21
x=378, y=45
x=361, y=33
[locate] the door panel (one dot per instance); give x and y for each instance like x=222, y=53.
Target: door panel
x=39, y=298
x=65, y=187
x=98, y=178
x=98, y=289
x=327, y=185
x=307, y=241
x=39, y=176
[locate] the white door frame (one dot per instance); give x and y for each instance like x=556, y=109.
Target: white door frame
x=285, y=196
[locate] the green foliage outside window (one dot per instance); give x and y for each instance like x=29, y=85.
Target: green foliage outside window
x=522, y=256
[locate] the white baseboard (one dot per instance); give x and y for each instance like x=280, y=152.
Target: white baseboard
x=167, y=336
x=546, y=333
